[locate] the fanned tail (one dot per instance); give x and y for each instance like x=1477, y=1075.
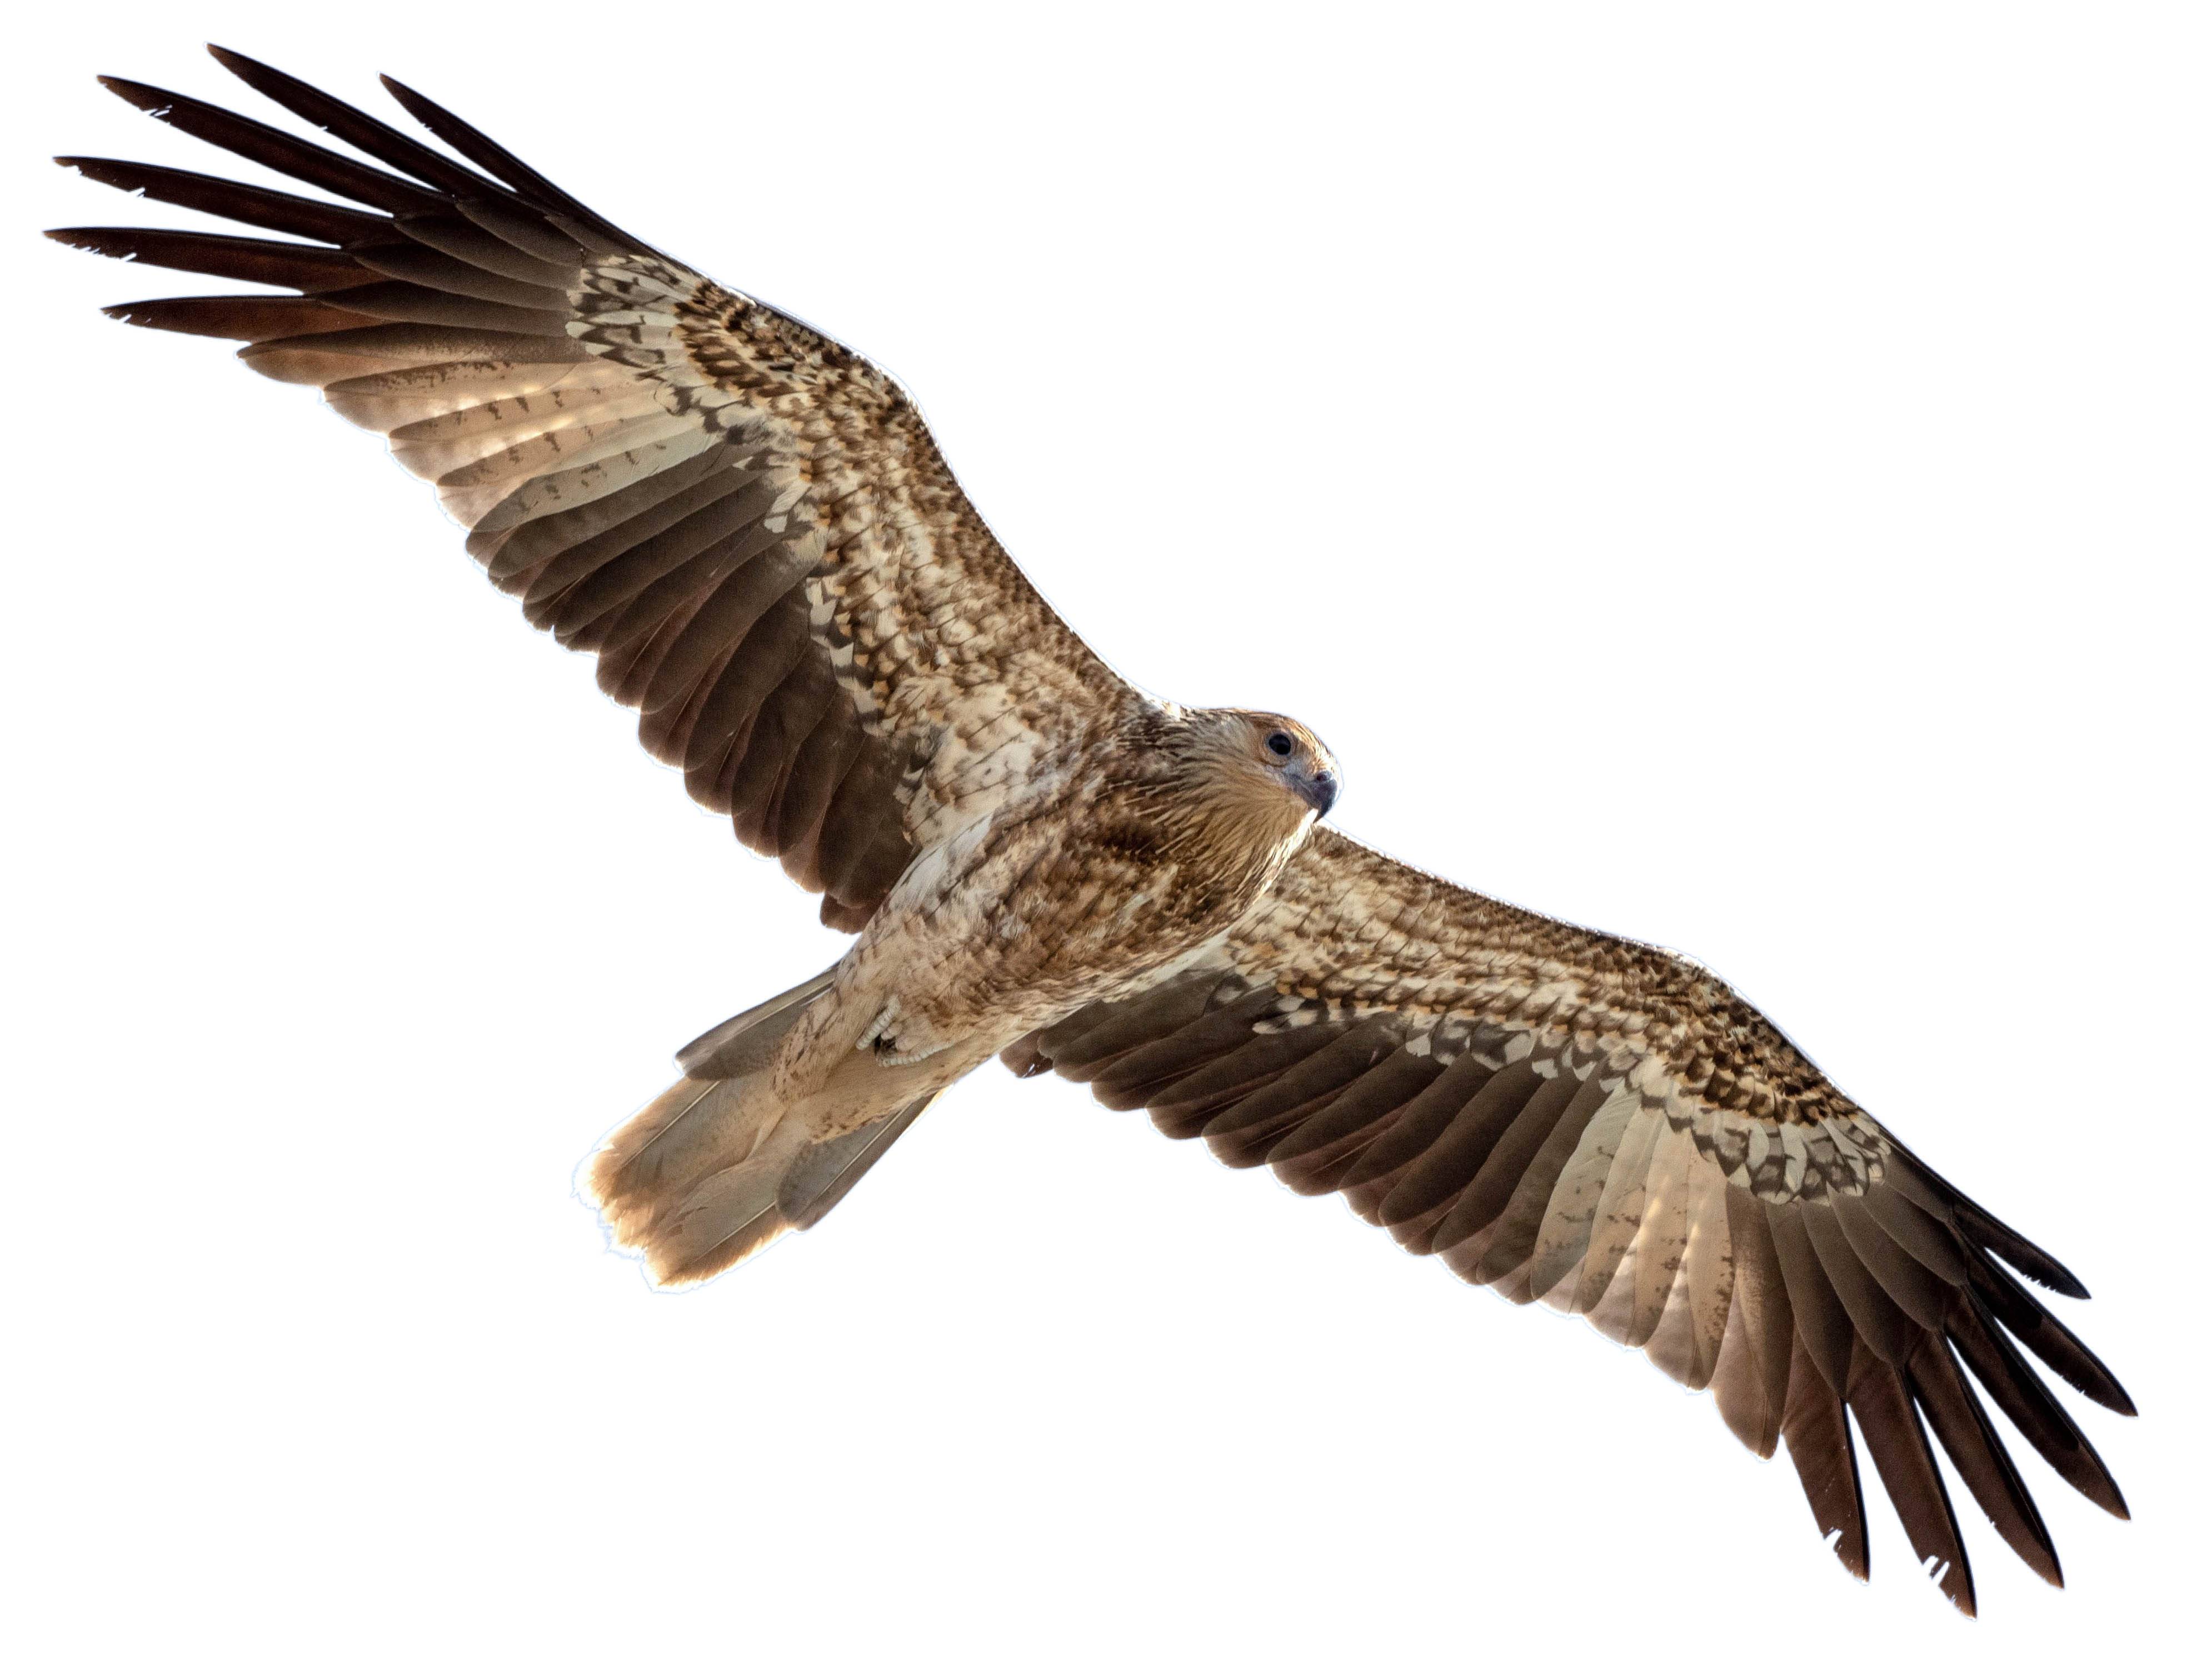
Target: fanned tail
x=720, y=1166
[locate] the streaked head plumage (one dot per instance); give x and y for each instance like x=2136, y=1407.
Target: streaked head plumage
x=1267, y=764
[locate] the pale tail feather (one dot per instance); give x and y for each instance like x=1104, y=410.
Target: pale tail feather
x=718, y=1167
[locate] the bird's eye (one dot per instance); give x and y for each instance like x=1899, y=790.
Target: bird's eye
x=1279, y=743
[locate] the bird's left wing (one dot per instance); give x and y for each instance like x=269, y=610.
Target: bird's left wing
x=1584, y=1120
x=749, y=523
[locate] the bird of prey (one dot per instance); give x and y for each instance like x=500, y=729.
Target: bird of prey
x=752, y=528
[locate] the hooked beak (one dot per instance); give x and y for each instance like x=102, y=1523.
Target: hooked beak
x=1316, y=789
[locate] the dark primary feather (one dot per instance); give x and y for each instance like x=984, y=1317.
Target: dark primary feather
x=1820, y=1435
x=495, y=160
x=250, y=204
x=364, y=132
x=280, y=152
x=247, y=259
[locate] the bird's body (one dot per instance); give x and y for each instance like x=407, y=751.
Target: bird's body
x=752, y=528
x=1133, y=853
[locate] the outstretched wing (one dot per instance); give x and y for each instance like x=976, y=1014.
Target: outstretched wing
x=1588, y=1121
x=749, y=523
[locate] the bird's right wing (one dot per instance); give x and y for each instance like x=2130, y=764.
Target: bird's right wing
x=1590, y=1122
x=748, y=523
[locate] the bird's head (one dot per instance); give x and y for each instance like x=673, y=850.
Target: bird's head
x=1268, y=764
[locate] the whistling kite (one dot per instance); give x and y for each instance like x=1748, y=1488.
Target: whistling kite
x=751, y=526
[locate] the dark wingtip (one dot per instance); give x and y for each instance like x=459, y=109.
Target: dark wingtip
x=1853, y=1564
x=2037, y=1263
x=2025, y=1256
x=2098, y=1485
x=2063, y=1283
x=252, y=71
x=137, y=94
x=98, y=168
x=2102, y=1386
x=422, y=109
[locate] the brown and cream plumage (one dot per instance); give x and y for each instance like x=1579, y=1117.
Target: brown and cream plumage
x=752, y=528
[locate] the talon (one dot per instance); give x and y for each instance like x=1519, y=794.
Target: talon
x=881, y=1024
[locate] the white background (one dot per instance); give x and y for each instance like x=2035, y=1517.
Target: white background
x=1735, y=475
